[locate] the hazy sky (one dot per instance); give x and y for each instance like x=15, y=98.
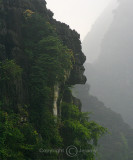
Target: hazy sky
x=78, y=14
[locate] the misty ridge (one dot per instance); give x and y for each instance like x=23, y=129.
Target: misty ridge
x=110, y=70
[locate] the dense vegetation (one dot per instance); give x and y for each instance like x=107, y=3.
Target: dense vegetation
x=35, y=58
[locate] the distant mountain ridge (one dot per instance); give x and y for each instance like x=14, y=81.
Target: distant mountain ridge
x=92, y=41
x=112, y=77
x=118, y=144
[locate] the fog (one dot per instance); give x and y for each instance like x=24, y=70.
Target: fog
x=92, y=41
x=111, y=73
x=78, y=14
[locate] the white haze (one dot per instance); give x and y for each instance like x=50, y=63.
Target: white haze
x=111, y=75
x=78, y=14
x=92, y=42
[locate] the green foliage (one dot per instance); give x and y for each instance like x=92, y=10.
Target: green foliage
x=54, y=60
x=28, y=13
x=45, y=51
x=34, y=29
x=10, y=82
x=9, y=70
x=51, y=62
x=16, y=139
x=50, y=131
x=80, y=132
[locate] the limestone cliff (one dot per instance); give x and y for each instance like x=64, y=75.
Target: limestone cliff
x=11, y=38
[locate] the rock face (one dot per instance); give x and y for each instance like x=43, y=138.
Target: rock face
x=112, y=79
x=12, y=32
x=56, y=96
x=11, y=36
x=71, y=39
